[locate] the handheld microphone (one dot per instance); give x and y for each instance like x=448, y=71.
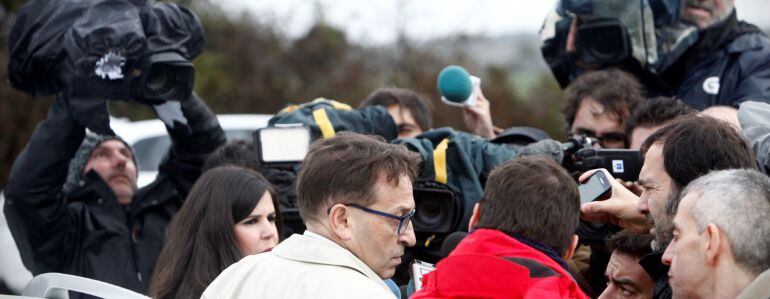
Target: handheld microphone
x=450, y=242
x=457, y=86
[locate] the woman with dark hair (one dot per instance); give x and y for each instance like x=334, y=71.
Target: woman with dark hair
x=230, y=213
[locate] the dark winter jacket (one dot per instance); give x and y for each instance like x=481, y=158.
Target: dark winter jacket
x=460, y=161
x=327, y=117
x=85, y=231
x=729, y=64
x=491, y=264
x=658, y=271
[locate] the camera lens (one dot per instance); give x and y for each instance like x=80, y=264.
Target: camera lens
x=607, y=43
x=160, y=79
x=430, y=214
x=437, y=208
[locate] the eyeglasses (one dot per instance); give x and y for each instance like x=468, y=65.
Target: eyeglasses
x=403, y=221
x=607, y=140
x=612, y=140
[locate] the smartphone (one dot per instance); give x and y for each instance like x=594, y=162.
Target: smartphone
x=595, y=187
x=419, y=269
x=282, y=145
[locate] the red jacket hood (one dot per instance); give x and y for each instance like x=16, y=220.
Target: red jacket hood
x=490, y=264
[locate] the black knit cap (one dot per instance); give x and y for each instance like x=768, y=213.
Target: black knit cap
x=75, y=175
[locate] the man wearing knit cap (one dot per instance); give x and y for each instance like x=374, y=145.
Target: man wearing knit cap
x=72, y=202
x=110, y=157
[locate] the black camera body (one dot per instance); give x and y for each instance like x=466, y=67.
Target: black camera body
x=105, y=50
x=438, y=208
x=609, y=43
x=580, y=156
x=610, y=33
x=153, y=79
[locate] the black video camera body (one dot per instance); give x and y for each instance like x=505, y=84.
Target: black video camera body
x=580, y=156
x=105, y=50
x=610, y=33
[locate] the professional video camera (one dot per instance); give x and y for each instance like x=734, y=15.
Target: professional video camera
x=632, y=35
x=91, y=51
x=283, y=144
x=580, y=155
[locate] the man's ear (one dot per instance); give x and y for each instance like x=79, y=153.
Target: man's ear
x=474, y=217
x=571, y=248
x=339, y=221
x=713, y=245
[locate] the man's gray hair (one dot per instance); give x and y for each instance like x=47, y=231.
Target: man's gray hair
x=737, y=201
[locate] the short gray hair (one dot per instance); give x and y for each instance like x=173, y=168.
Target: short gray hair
x=738, y=202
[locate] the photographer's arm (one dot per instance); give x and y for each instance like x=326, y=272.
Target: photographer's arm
x=35, y=208
x=478, y=118
x=620, y=209
x=189, y=149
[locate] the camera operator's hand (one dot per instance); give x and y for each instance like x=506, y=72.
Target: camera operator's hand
x=619, y=209
x=478, y=118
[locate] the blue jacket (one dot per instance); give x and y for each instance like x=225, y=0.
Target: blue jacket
x=737, y=72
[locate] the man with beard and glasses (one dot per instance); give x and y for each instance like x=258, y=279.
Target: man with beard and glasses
x=727, y=64
x=689, y=147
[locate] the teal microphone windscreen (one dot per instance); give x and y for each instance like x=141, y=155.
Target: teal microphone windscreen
x=454, y=83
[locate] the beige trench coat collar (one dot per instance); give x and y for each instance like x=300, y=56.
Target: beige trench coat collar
x=313, y=248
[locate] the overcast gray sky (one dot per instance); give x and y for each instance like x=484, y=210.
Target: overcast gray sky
x=378, y=21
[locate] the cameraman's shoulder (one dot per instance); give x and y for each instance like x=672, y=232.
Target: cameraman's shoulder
x=754, y=47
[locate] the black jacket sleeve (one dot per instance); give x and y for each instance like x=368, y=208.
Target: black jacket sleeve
x=37, y=212
x=182, y=165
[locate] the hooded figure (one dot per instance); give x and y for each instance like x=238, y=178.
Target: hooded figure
x=77, y=165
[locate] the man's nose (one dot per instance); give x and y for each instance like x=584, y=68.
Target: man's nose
x=408, y=238
x=667, y=256
x=119, y=160
x=643, y=205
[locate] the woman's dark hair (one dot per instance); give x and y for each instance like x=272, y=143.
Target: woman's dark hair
x=200, y=242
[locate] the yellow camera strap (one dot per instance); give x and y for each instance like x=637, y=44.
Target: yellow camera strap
x=322, y=120
x=335, y=104
x=439, y=161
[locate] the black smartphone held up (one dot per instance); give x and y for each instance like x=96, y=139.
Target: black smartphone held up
x=282, y=145
x=594, y=188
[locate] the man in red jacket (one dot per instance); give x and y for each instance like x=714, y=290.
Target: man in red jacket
x=522, y=233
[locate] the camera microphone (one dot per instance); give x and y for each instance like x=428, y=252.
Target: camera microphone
x=450, y=243
x=456, y=86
